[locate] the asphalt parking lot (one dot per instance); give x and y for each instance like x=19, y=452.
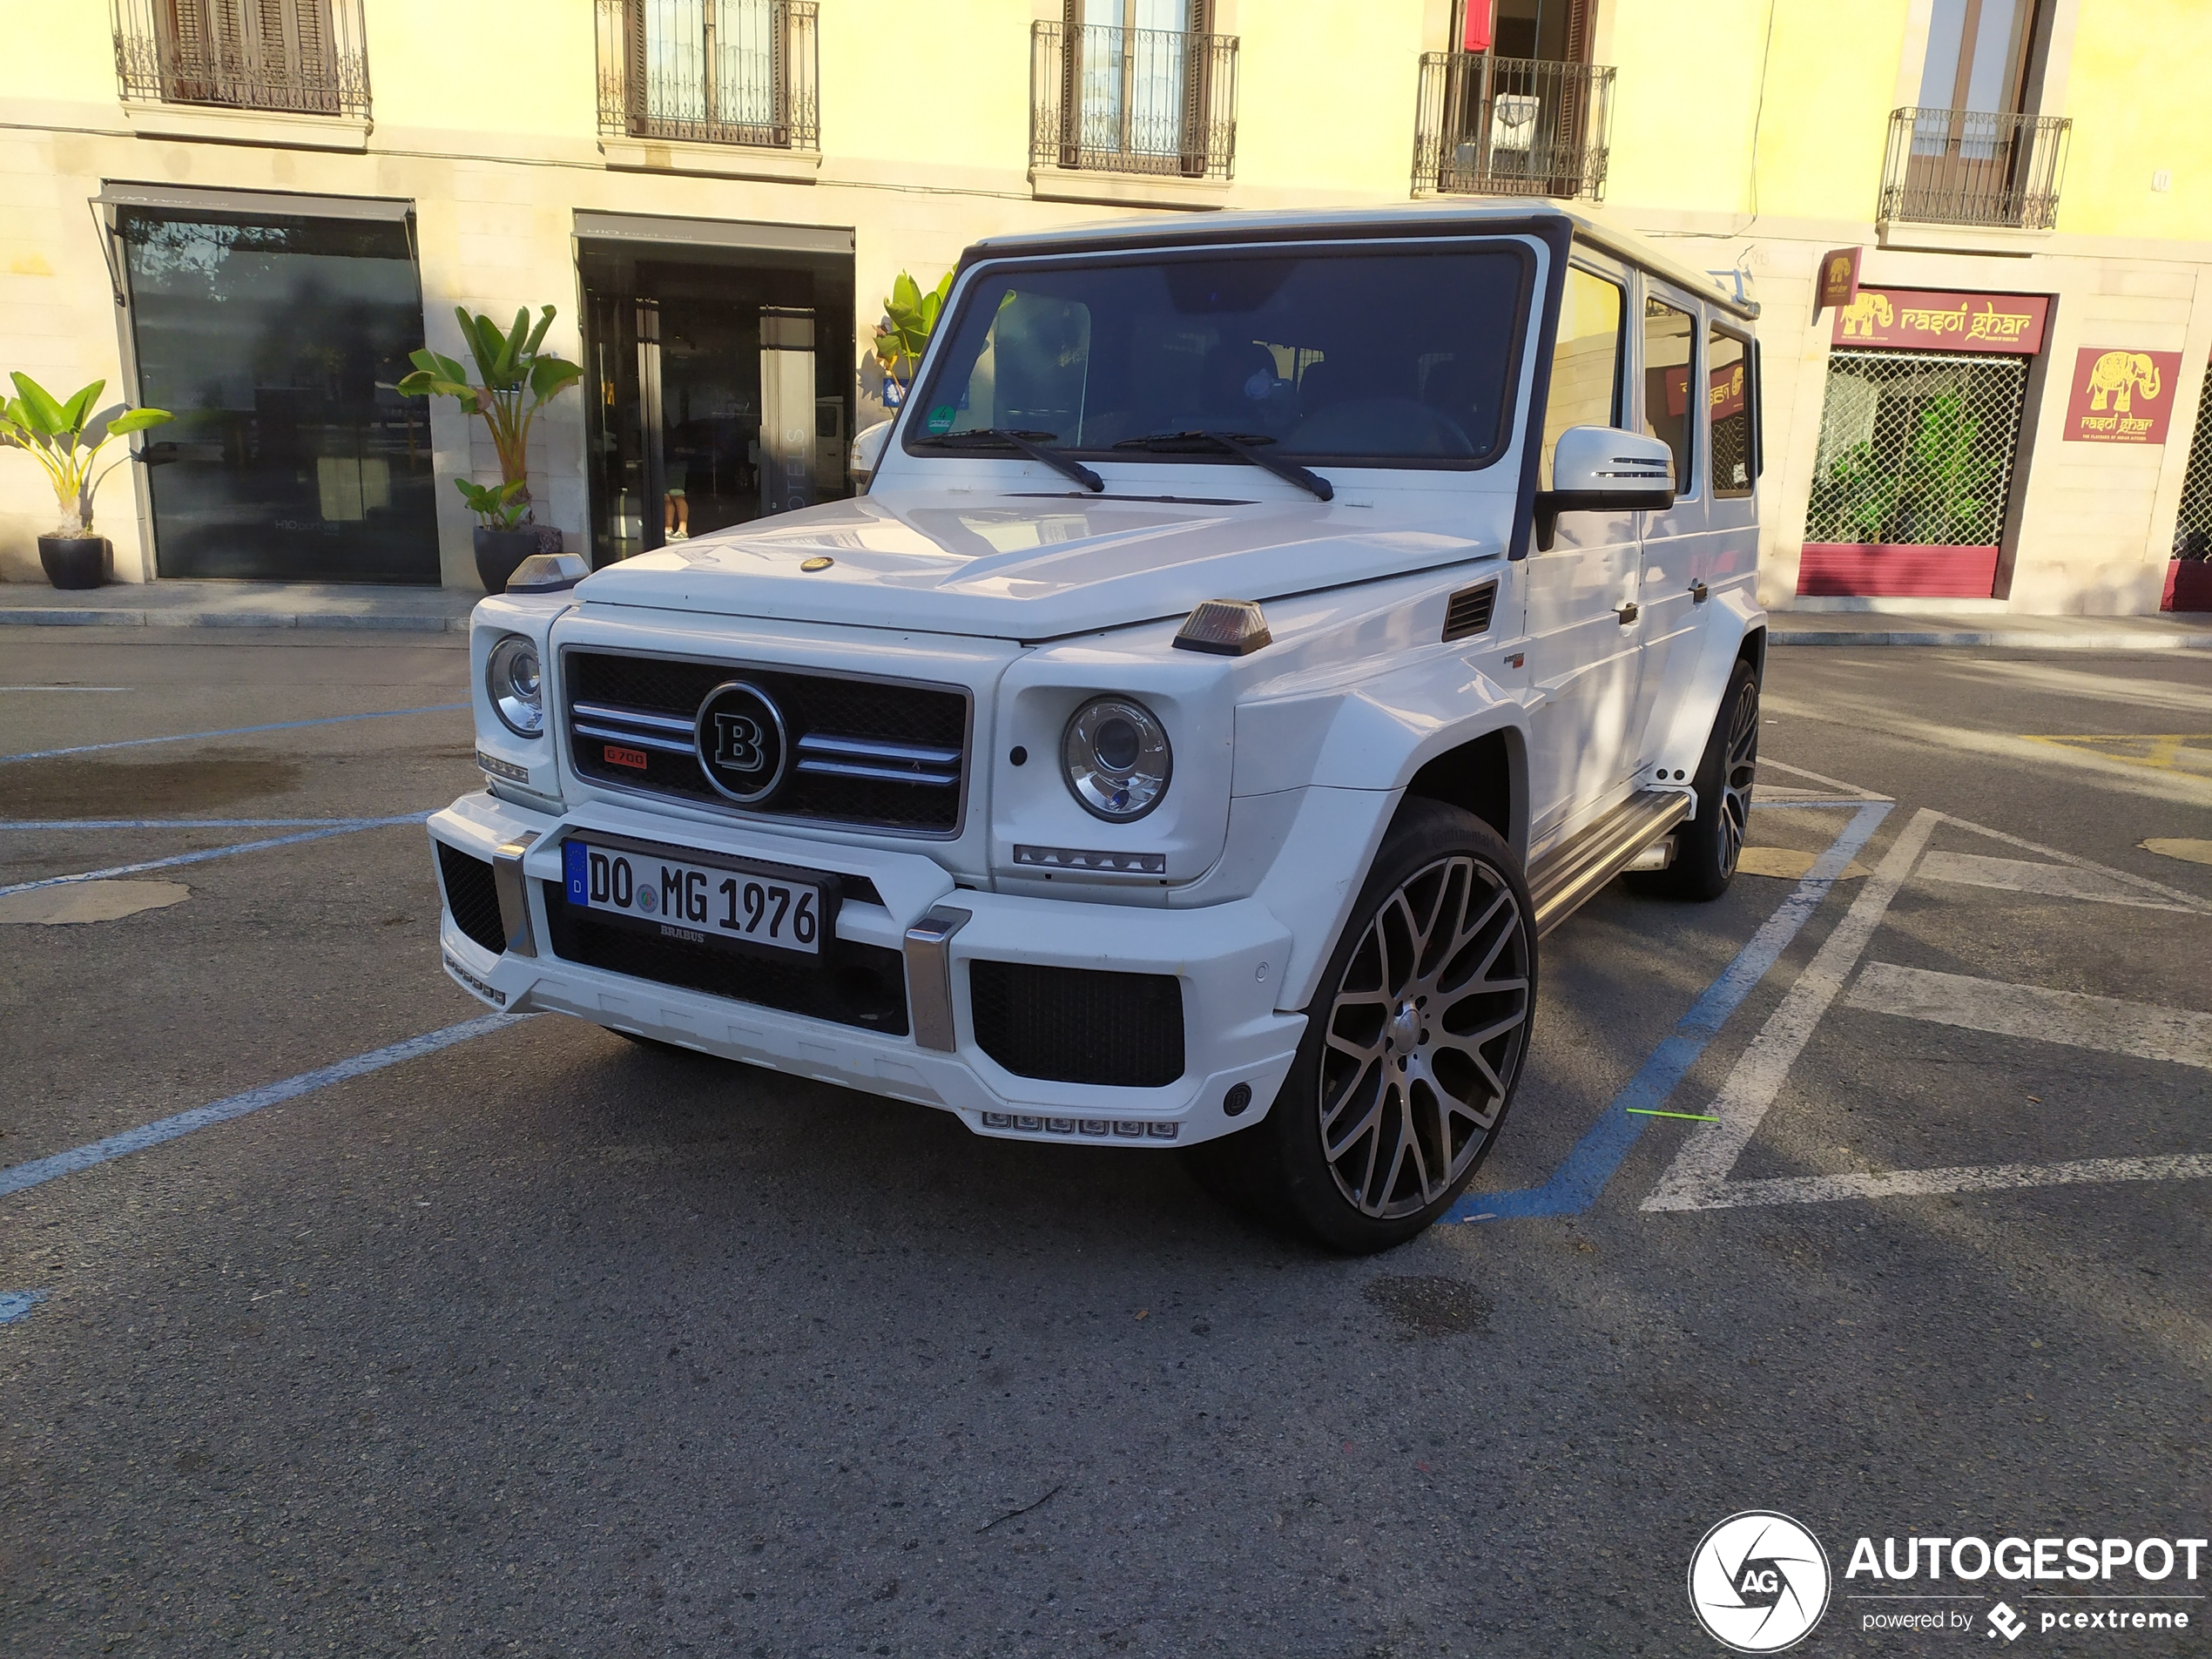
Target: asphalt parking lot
x=542, y=1342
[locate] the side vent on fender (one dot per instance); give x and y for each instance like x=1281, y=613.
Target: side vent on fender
x=1468, y=614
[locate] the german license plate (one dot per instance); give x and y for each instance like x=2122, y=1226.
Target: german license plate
x=699, y=903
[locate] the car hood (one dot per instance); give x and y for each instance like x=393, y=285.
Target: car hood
x=1029, y=568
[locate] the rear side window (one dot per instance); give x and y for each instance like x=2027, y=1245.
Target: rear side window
x=1670, y=341
x=1733, y=400
x=1586, y=362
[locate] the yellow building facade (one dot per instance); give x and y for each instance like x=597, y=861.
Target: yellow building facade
x=250, y=214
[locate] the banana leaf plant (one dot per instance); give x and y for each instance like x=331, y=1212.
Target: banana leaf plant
x=52, y=433
x=910, y=317
x=515, y=380
x=498, y=507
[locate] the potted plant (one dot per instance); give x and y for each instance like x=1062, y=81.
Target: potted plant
x=53, y=433
x=910, y=317
x=517, y=380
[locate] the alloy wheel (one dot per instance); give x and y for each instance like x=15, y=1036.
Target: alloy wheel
x=1740, y=770
x=1425, y=1033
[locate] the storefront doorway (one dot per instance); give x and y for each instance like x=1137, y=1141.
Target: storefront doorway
x=275, y=329
x=721, y=376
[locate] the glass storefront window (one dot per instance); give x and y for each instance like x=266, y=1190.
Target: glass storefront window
x=276, y=342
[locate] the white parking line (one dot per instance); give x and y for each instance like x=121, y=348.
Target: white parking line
x=1701, y=1166
x=2181, y=1036
x=2053, y=880
x=1928, y=1183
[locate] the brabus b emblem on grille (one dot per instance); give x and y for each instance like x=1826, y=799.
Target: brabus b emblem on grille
x=740, y=738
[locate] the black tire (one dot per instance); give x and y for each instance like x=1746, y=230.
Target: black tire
x=1707, y=847
x=1420, y=1033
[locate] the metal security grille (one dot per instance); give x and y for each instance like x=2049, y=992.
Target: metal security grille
x=1916, y=449
x=1133, y=100
x=2192, y=530
x=710, y=72
x=303, y=56
x=1512, y=126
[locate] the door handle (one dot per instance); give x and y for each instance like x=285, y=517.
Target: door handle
x=1628, y=613
x=1698, y=593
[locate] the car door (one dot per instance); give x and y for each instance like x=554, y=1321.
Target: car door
x=1671, y=405
x=1583, y=639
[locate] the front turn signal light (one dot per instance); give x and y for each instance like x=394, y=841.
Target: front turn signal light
x=1225, y=627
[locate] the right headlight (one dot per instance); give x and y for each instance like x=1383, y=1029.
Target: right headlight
x=515, y=683
x=1116, y=757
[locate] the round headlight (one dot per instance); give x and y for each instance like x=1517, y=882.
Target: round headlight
x=1116, y=757
x=517, y=693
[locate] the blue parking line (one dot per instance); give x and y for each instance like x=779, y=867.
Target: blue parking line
x=17, y=1304
x=180, y=823
x=1576, y=1184
x=233, y=732
x=24, y=1177
x=346, y=828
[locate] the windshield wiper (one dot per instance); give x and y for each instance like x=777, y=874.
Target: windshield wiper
x=1244, y=446
x=1029, y=444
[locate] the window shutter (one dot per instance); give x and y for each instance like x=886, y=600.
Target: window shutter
x=1578, y=19
x=634, y=32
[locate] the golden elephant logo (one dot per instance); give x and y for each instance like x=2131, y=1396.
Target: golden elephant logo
x=1863, y=315
x=2118, y=375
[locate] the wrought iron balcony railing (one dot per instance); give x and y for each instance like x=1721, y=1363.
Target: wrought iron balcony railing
x=1970, y=167
x=710, y=71
x=1512, y=126
x=300, y=56
x=1133, y=100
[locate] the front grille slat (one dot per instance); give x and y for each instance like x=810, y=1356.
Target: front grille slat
x=889, y=755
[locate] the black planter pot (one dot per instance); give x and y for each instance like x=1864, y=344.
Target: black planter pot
x=499, y=551
x=77, y=561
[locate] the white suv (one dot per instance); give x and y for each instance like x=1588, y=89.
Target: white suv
x=1258, y=631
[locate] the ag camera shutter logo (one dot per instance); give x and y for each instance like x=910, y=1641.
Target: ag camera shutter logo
x=1758, y=1581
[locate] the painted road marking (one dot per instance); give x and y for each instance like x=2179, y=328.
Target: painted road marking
x=1836, y=783
x=2179, y=846
x=2186, y=900
x=2165, y=751
x=175, y=823
x=68, y=688
x=2054, y=880
x=1575, y=1185
x=23, y=1177
x=2179, y=1036
x=17, y=1304
x=233, y=731
x=216, y=853
x=1787, y=862
x=1928, y=1183
x=90, y=901
x=1710, y=1151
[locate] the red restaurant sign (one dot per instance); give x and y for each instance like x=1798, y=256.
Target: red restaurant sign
x=1725, y=392
x=1977, y=323
x=2121, y=396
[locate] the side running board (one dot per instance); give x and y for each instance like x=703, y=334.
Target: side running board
x=1563, y=879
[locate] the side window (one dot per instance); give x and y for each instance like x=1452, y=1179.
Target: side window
x=1586, y=363
x=1670, y=341
x=1733, y=400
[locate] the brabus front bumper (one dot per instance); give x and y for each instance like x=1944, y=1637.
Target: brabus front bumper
x=1228, y=959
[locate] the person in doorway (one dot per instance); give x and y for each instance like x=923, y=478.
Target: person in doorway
x=675, y=511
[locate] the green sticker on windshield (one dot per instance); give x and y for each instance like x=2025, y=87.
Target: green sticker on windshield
x=941, y=418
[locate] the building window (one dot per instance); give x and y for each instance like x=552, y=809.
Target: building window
x=300, y=56
x=1972, y=150
x=1134, y=87
x=1586, y=363
x=710, y=72
x=1525, y=114
x=276, y=340
x=1913, y=474
x=2192, y=530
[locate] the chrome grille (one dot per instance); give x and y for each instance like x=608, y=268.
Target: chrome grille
x=878, y=754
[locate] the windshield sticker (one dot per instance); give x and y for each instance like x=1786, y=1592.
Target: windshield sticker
x=941, y=418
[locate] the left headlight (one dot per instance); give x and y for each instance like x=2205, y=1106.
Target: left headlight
x=516, y=684
x=1117, y=759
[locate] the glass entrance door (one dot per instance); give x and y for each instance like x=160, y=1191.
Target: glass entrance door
x=276, y=342
x=681, y=344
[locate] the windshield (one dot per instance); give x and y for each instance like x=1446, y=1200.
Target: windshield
x=1355, y=356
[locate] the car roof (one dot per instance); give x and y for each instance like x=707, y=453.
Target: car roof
x=1461, y=216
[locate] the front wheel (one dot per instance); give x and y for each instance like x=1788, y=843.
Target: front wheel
x=1412, y=1046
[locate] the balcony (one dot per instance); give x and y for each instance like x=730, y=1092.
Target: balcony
x=1512, y=126
x=740, y=74
x=276, y=57
x=1151, y=102
x=1968, y=167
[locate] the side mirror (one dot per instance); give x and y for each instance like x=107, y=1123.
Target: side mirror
x=1604, y=469
x=867, y=450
